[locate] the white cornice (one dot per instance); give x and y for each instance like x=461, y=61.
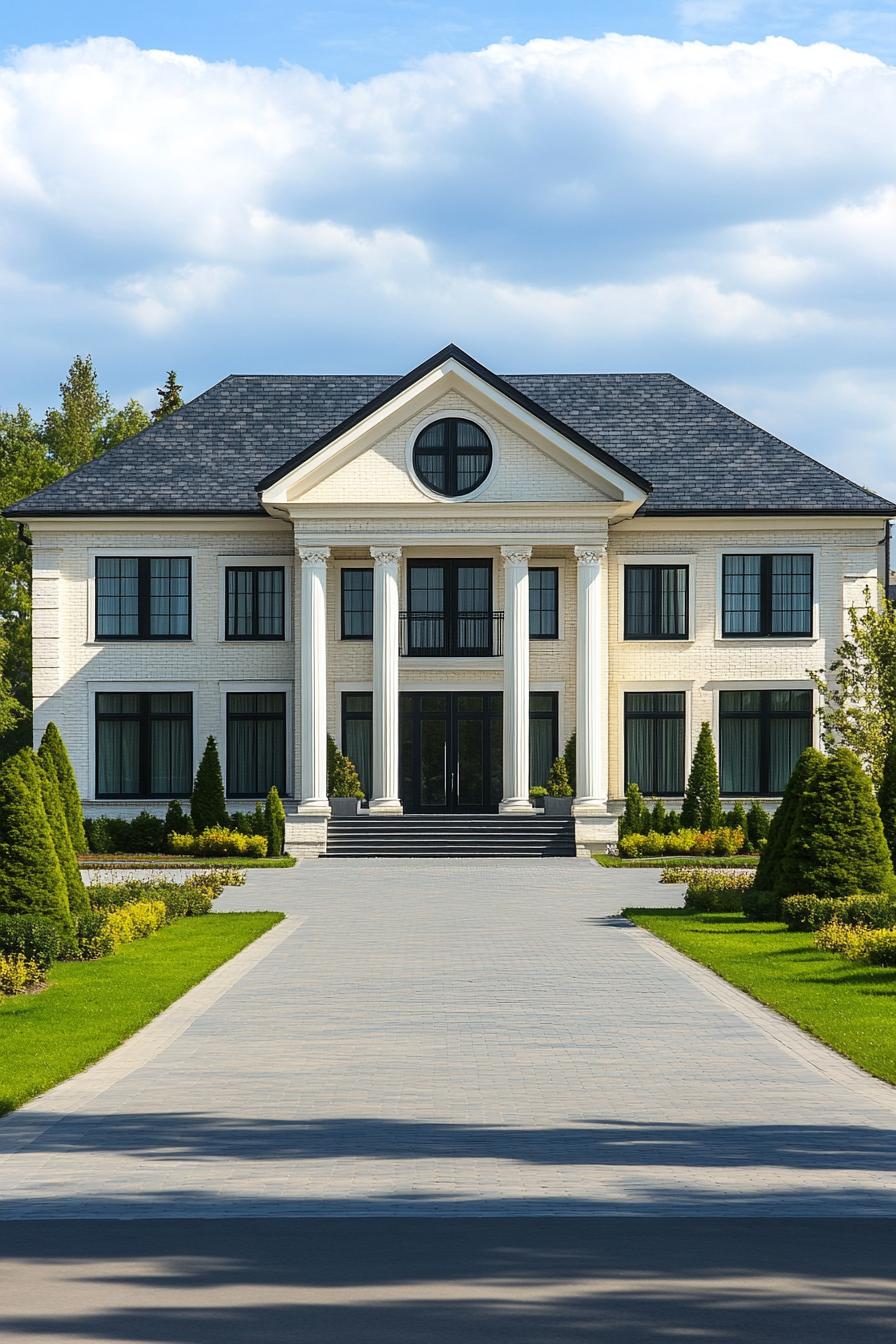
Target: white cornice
x=751, y=522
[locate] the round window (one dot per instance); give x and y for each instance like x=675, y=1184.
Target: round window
x=452, y=456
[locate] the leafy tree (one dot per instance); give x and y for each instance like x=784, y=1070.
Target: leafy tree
x=120, y=425
x=54, y=756
x=758, y=822
x=44, y=778
x=702, y=807
x=31, y=880
x=858, y=695
x=275, y=823
x=837, y=845
x=768, y=869
x=558, y=780
x=886, y=798
x=72, y=432
x=170, y=398
x=635, y=818
x=569, y=756
x=207, y=801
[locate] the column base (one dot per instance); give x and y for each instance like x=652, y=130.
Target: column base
x=385, y=807
x=314, y=807
x=516, y=807
x=589, y=807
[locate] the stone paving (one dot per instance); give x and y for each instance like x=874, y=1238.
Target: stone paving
x=444, y=1038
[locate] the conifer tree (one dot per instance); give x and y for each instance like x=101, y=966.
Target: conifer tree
x=31, y=880
x=886, y=798
x=176, y=820
x=739, y=818
x=71, y=433
x=635, y=818
x=44, y=778
x=207, y=807
x=837, y=845
x=275, y=823
x=569, y=756
x=53, y=755
x=558, y=780
x=768, y=869
x=659, y=821
x=758, y=822
x=702, y=807
x=170, y=398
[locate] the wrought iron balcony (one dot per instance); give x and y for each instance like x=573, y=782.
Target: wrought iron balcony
x=424, y=634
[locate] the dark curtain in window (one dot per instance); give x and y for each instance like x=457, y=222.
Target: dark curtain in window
x=256, y=743
x=654, y=741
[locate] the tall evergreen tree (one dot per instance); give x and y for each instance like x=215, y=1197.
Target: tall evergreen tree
x=886, y=798
x=758, y=823
x=72, y=432
x=207, y=806
x=53, y=755
x=636, y=817
x=768, y=869
x=45, y=779
x=702, y=807
x=837, y=845
x=274, y=823
x=170, y=398
x=31, y=880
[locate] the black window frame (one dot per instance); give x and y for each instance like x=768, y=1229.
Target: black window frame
x=450, y=451
x=255, y=716
x=656, y=716
x=766, y=568
x=656, y=598
x=450, y=614
x=254, y=636
x=555, y=610
x=354, y=569
x=143, y=632
x=356, y=716
x=144, y=717
x=766, y=716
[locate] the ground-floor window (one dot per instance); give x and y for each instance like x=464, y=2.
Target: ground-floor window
x=357, y=734
x=654, y=742
x=542, y=735
x=761, y=736
x=144, y=744
x=256, y=743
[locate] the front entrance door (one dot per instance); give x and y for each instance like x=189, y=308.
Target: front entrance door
x=451, y=751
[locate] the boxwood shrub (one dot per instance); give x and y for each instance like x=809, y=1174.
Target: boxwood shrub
x=710, y=891
x=805, y=914
x=32, y=937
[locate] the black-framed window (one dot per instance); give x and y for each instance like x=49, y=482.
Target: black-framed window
x=357, y=603
x=143, y=597
x=543, y=733
x=543, y=603
x=452, y=456
x=761, y=736
x=449, y=607
x=357, y=734
x=144, y=744
x=656, y=602
x=256, y=743
x=654, y=742
x=255, y=602
x=766, y=596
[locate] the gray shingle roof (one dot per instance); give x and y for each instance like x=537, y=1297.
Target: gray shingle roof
x=698, y=456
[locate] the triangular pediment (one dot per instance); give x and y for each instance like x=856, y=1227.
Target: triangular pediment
x=537, y=458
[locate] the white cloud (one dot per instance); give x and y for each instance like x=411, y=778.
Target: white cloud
x=725, y=211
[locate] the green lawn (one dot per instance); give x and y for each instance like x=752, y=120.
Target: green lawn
x=89, y=1007
x=678, y=861
x=848, y=1006
x=173, y=861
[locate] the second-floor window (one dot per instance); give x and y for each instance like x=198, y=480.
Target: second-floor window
x=656, y=601
x=766, y=596
x=357, y=603
x=543, y=622
x=254, y=602
x=449, y=608
x=142, y=597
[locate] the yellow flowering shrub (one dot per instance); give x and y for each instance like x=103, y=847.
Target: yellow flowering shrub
x=17, y=973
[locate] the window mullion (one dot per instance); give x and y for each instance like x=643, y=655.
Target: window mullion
x=764, y=739
x=143, y=597
x=255, y=592
x=765, y=599
x=144, y=768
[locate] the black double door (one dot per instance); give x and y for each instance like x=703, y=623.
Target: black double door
x=451, y=750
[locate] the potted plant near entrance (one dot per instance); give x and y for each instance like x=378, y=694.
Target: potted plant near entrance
x=537, y=795
x=345, y=787
x=558, y=800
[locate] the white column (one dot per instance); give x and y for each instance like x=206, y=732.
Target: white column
x=385, y=799
x=313, y=688
x=591, y=728
x=516, y=679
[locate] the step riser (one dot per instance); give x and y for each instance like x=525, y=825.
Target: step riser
x=450, y=837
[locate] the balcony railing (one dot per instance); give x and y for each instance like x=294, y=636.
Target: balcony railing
x=424, y=634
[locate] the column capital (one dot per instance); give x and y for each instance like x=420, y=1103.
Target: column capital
x=590, y=555
x=313, y=555
x=516, y=555
x=385, y=555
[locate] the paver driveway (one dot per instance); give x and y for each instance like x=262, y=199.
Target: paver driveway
x=442, y=1037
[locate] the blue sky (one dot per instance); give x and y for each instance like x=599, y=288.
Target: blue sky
x=347, y=188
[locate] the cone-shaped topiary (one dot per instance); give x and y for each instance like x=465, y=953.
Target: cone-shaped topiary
x=837, y=845
x=207, y=801
x=634, y=820
x=176, y=820
x=333, y=754
x=275, y=823
x=31, y=880
x=659, y=821
x=886, y=798
x=738, y=817
x=45, y=779
x=558, y=780
x=768, y=869
x=758, y=823
x=52, y=751
x=702, y=808
x=345, y=782
x=569, y=756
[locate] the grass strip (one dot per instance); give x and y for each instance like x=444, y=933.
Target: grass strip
x=678, y=861
x=848, y=1006
x=173, y=861
x=89, y=1007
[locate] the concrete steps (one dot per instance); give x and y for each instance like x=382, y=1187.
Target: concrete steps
x=451, y=836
